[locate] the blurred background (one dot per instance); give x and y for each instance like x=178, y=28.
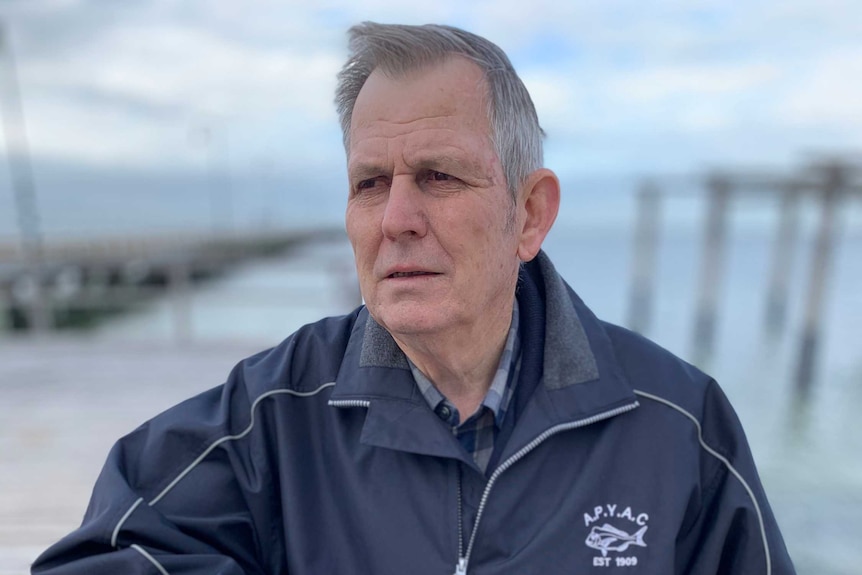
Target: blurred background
x=173, y=185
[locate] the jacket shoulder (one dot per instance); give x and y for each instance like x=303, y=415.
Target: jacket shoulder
x=306, y=359
x=652, y=369
x=672, y=385
x=303, y=363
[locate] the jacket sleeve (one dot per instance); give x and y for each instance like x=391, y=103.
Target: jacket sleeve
x=176, y=496
x=732, y=530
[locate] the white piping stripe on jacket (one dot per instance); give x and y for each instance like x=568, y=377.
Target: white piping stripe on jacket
x=209, y=450
x=727, y=463
x=151, y=559
x=122, y=520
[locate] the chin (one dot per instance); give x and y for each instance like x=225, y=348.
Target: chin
x=407, y=321
x=408, y=325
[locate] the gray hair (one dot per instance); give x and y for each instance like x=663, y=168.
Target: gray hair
x=398, y=49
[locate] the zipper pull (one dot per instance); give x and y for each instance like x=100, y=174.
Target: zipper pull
x=461, y=568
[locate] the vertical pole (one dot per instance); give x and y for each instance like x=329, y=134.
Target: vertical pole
x=5, y=309
x=180, y=288
x=21, y=171
x=782, y=260
x=221, y=190
x=645, y=249
x=218, y=183
x=821, y=264
x=711, y=267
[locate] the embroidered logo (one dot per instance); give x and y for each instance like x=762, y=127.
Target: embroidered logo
x=620, y=529
x=609, y=538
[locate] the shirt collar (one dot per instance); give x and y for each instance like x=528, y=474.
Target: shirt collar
x=499, y=393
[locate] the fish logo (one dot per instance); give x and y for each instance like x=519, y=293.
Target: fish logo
x=609, y=538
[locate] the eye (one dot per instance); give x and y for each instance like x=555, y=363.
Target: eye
x=438, y=182
x=367, y=184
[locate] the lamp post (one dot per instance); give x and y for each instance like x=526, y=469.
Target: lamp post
x=24, y=189
x=220, y=193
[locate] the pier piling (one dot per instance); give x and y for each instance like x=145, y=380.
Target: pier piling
x=819, y=275
x=711, y=266
x=645, y=257
x=782, y=259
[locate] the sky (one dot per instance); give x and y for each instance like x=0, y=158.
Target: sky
x=163, y=98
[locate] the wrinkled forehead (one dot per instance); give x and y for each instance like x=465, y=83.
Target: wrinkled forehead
x=452, y=88
x=421, y=118
x=461, y=153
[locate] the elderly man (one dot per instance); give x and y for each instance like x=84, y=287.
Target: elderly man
x=472, y=417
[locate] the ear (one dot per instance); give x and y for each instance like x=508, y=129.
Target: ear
x=541, y=202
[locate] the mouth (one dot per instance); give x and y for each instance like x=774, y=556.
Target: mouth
x=410, y=274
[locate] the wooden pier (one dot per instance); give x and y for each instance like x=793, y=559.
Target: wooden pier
x=76, y=279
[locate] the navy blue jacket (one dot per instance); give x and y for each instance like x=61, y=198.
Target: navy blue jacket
x=320, y=456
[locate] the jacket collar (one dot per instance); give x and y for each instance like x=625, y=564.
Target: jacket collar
x=581, y=375
x=581, y=379
x=569, y=358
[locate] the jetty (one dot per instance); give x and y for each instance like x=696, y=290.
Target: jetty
x=69, y=282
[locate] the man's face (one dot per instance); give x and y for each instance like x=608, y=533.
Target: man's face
x=428, y=207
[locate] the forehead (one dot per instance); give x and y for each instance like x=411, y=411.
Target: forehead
x=443, y=104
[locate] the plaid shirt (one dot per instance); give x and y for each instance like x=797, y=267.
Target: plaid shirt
x=478, y=433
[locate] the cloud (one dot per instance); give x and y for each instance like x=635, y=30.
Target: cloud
x=100, y=135
x=690, y=81
x=125, y=82
x=96, y=103
x=827, y=90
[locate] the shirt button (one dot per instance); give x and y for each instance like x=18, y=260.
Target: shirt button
x=444, y=413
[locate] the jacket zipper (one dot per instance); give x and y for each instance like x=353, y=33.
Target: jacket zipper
x=349, y=403
x=464, y=559
x=461, y=568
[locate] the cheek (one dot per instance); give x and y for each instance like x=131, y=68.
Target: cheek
x=360, y=232
x=489, y=231
x=350, y=224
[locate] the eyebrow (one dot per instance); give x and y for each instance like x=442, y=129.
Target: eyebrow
x=436, y=162
x=468, y=168
x=364, y=170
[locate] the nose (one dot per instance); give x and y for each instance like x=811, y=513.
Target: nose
x=404, y=215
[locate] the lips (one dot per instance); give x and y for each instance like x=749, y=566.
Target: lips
x=409, y=274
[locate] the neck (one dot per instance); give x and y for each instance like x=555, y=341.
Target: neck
x=462, y=364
